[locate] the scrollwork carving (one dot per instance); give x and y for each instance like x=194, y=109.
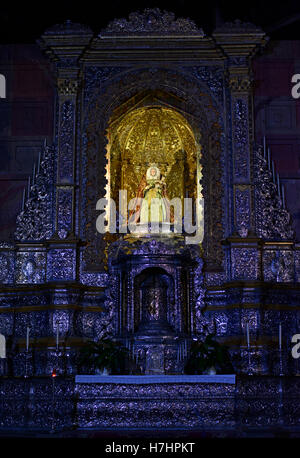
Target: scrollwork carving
x=30, y=267
x=244, y=263
x=4, y=267
x=240, y=84
x=61, y=264
x=212, y=76
x=64, y=211
x=68, y=28
x=67, y=86
x=35, y=221
x=109, y=315
x=152, y=21
x=99, y=109
x=198, y=295
x=237, y=26
x=241, y=138
x=273, y=221
x=243, y=210
x=278, y=266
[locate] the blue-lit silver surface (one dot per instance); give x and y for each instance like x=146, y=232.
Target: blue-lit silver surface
x=145, y=379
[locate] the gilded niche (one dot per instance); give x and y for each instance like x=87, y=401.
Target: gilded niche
x=153, y=135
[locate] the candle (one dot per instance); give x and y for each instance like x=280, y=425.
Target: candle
x=27, y=339
x=248, y=336
x=278, y=184
x=33, y=174
x=28, y=193
x=282, y=196
x=273, y=172
x=39, y=163
x=265, y=149
x=280, y=336
x=23, y=201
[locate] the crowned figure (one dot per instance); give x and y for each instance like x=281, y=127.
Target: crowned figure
x=152, y=203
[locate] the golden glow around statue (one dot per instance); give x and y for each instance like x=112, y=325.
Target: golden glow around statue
x=152, y=135
x=152, y=193
x=152, y=155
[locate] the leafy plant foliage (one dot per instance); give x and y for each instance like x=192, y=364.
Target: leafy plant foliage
x=207, y=354
x=105, y=353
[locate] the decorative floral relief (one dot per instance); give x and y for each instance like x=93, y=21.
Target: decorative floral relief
x=278, y=265
x=152, y=21
x=66, y=141
x=243, y=210
x=272, y=220
x=244, y=263
x=30, y=267
x=241, y=139
x=68, y=28
x=61, y=264
x=4, y=267
x=64, y=211
x=237, y=26
x=35, y=221
x=212, y=76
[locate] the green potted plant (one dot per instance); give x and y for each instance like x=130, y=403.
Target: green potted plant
x=208, y=357
x=106, y=356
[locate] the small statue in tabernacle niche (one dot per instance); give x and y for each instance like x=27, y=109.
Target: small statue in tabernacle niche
x=152, y=203
x=155, y=360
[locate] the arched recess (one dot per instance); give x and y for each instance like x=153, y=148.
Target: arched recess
x=157, y=281
x=154, y=133
x=125, y=92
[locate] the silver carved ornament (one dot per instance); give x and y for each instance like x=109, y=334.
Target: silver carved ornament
x=67, y=87
x=273, y=220
x=108, y=317
x=152, y=21
x=35, y=221
x=68, y=28
x=201, y=323
x=4, y=267
x=281, y=266
x=237, y=26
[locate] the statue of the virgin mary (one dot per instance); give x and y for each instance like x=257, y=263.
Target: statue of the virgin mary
x=152, y=203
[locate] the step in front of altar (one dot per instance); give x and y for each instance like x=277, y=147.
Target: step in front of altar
x=155, y=401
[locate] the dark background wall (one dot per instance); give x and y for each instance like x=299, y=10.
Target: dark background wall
x=26, y=119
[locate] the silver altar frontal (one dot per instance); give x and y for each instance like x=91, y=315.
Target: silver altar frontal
x=155, y=401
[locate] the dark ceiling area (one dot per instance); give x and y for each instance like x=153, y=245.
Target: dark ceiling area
x=24, y=22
